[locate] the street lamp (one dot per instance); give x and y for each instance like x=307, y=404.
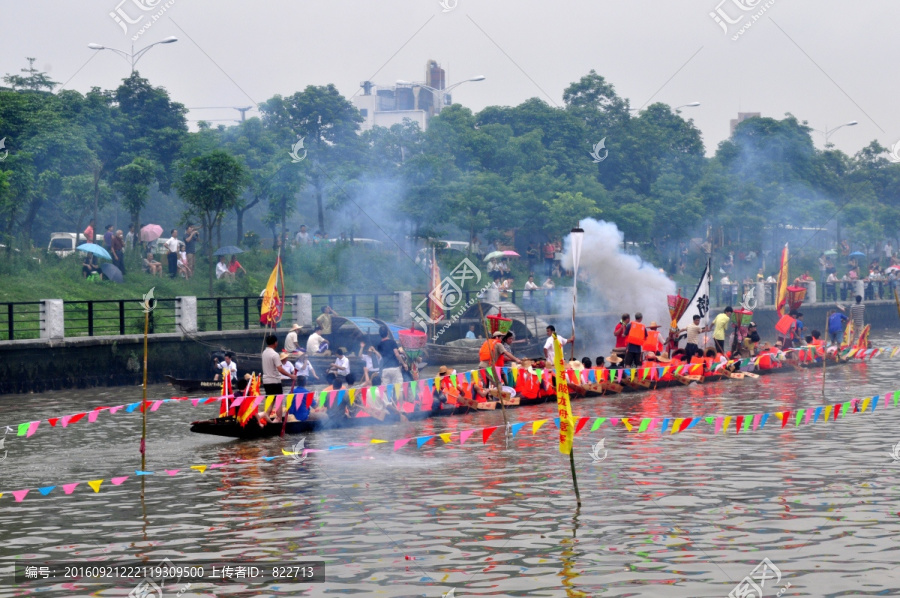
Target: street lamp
x=441, y=93
x=828, y=132
x=691, y=105
x=133, y=57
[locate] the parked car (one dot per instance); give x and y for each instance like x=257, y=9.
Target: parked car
x=63, y=244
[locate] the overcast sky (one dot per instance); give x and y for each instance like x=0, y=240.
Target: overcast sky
x=825, y=61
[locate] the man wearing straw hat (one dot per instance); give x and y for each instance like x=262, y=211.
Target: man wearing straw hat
x=495, y=352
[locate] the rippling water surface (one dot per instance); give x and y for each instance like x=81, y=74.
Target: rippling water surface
x=685, y=515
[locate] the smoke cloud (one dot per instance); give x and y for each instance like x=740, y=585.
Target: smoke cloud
x=618, y=282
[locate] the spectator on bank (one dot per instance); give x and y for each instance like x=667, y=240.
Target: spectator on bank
x=118, y=251
x=234, y=265
x=302, y=237
x=191, y=236
x=89, y=266
x=222, y=270
x=129, y=238
x=151, y=266
x=107, y=236
x=171, y=245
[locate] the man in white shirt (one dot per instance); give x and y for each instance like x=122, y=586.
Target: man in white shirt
x=228, y=367
x=172, y=248
x=222, y=270
x=287, y=366
x=272, y=371
x=528, y=294
x=548, y=346
x=316, y=343
x=302, y=237
x=290, y=342
x=304, y=369
x=340, y=369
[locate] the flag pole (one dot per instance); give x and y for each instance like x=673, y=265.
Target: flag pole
x=149, y=303
x=566, y=422
x=825, y=352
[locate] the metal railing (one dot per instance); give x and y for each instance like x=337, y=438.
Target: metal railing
x=20, y=320
x=370, y=305
x=116, y=317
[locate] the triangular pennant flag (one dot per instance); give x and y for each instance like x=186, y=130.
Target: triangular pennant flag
x=556, y=421
x=119, y=480
x=763, y=420
x=200, y=468
x=32, y=428
x=445, y=437
x=739, y=422
x=352, y=395
x=139, y=472
x=756, y=419
x=827, y=415
x=53, y=421
x=20, y=494
x=645, y=423
x=865, y=405
x=486, y=433
x=112, y=410
x=46, y=490
x=689, y=422
x=70, y=488
x=23, y=428
x=535, y=426
x=130, y=407
x=464, y=435
x=626, y=423
x=676, y=427
x=817, y=414
x=398, y=444
x=784, y=418
x=514, y=429
x=156, y=405
x=171, y=472
x=718, y=424
x=665, y=425
x=422, y=440
x=93, y=415
x=95, y=484
x=195, y=401
x=581, y=422
x=597, y=423
x=614, y=421
x=800, y=413
x=377, y=441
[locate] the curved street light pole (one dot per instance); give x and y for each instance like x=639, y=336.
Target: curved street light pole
x=829, y=132
x=133, y=56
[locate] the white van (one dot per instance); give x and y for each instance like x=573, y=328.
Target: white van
x=63, y=244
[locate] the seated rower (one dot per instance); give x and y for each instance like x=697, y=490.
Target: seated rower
x=439, y=395
x=615, y=362
x=299, y=410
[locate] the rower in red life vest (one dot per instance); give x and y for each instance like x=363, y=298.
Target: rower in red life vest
x=635, y=336
x=619, y=332
x=653, y=342
x=494, y=351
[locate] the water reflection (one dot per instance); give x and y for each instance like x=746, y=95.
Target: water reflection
x=686, y=515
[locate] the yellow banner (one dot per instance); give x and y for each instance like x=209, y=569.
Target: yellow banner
x=566, y=422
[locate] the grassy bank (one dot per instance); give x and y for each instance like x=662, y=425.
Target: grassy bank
x=324, y=269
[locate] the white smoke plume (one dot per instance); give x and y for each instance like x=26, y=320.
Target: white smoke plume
x=619, y=282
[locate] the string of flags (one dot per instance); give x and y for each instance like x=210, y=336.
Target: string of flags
x=721, y=424
x=415, y=390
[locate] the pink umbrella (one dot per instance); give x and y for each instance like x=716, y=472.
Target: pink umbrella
x=511, y=253
x=892, y=269
x=151, y=232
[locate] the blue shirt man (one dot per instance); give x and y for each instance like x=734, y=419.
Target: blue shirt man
x=836, y=325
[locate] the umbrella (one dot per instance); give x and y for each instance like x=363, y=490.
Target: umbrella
x=857, y=254
x=495, y=254
x=228, y=250
x=151, y=232
x=95, y=249
x=890, y=269
x=831, y=253
x=112, y=273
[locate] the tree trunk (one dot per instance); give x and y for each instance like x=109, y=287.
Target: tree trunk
x=31, y=216
x=319, y=207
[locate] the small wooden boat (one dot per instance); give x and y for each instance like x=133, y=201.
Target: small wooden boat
x=212, y=386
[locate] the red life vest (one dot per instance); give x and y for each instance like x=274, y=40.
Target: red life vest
x=653, y=341
x=487, y=349
x=636, y=334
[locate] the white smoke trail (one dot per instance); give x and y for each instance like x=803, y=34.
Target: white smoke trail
x=619, y=282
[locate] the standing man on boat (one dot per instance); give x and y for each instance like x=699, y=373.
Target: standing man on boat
x=494, y=351
x=272, y=370
x=858, y=315
x=619, y=332
x=548, y=346
x=693, y=339
x=635, y=336
x=836, y=321
x=720, y=325
x=391, y=358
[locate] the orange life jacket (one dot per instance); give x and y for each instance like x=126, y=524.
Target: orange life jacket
x=636, y=334
x=653, y=341
x=487, y=349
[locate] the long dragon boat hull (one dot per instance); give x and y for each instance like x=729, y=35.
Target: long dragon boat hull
x=230, y=428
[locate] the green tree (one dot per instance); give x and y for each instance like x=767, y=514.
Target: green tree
x=34, y=81
x=133, y=181
x=565, y=210
x=211, y=185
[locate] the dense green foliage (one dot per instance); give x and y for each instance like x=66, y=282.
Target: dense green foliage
x=511, y=174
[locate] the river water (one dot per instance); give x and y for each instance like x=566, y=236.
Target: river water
x=683, y=515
